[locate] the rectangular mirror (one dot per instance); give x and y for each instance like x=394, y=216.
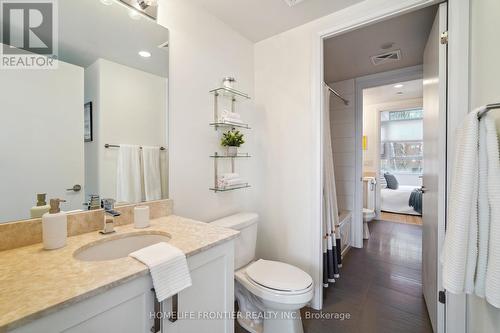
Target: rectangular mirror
x=65, y=131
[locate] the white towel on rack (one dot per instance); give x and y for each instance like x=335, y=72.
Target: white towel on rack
x=222, y=183
x=483, y=213
x=230, y=117
x=168, y=267
x=128, y=174
x=492, y=291
x=228, y=176
x=459, y=255
x=151, y=173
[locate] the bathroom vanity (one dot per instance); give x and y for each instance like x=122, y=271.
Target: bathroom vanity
x=54, y=291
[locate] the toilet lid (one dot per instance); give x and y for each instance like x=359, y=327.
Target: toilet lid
x=278, y=275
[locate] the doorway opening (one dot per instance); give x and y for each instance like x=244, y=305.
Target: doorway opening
x=393, y=152
x=384, y=83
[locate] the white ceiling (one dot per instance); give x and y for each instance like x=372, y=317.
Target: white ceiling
x=86, y=34
x=261, y=19
x=384, y=94
x=348, y=56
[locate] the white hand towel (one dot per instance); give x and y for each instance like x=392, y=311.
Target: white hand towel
x=492, y=291
x=230, y=182
x=460, y=247
x=230, y=117
x=128, y=174
x=151, y=172
x=168, y=267
x=231, y=120
x=229, y=176
x=483, y=213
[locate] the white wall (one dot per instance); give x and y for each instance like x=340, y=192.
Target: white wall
x=41, y=138
x=130, y=107
x=485, y=88
x=342, y=124
x=203, y=50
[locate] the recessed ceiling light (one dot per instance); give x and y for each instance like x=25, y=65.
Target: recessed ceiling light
x=144, y=54
x=398, y=86
x=107, y=2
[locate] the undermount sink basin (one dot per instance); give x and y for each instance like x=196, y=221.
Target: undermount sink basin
x=118, y=246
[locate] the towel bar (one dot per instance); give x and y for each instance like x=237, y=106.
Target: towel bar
x=488, y=108
x=107, y=145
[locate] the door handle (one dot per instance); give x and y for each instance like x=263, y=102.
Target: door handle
x=75, y=188
x=423, y=189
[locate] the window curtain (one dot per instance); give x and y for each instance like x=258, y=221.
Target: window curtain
x=331, y=237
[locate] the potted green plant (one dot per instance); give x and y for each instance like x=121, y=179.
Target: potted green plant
x=232, y=140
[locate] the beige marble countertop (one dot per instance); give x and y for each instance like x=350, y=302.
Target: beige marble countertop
x=35, y=282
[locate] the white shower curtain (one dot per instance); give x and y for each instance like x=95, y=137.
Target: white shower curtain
x=331, y=239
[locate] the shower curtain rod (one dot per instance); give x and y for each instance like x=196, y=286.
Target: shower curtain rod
x=346, y=102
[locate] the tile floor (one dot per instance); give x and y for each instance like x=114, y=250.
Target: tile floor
x=380, y=286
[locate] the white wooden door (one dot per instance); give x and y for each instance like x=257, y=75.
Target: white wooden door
x=434, y=179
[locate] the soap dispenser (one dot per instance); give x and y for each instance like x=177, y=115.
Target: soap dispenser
x=54, y=226
x=41, y=206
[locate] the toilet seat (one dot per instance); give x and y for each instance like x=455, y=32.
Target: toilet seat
x=278, y=276
x=273, y=295
x=368, y=214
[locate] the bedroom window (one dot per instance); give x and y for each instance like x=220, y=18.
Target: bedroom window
x=401, y=150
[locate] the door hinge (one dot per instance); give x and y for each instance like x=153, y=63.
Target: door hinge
x=444, y=38
x=442, y=297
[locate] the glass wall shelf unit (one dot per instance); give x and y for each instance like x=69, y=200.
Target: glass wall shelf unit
x=229, y=125
x=225, y=99
x=233, y=95
x=239, y=155
x=230, y=93
x=229, y=188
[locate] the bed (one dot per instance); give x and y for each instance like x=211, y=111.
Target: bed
x=396, y=201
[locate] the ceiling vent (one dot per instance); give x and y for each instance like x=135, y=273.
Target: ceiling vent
x=386, y=58
x=292, y=3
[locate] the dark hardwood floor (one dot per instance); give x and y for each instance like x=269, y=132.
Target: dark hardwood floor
x=380, y=287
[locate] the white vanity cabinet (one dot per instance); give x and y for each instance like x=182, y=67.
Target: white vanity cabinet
x=201, y=307
x=129, y=308
x=123, y=309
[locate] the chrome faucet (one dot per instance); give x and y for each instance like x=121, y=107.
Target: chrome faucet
x=109, y=216
x=93, y=203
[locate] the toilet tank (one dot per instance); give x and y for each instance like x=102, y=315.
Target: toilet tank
x=369, y=190
x=246, y=224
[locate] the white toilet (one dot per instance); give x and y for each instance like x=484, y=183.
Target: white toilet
x=369, y=188
x=270, y=294
x=368, y=216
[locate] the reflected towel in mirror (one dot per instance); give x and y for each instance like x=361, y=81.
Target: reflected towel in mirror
x=151, y=172
x=128, y=174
